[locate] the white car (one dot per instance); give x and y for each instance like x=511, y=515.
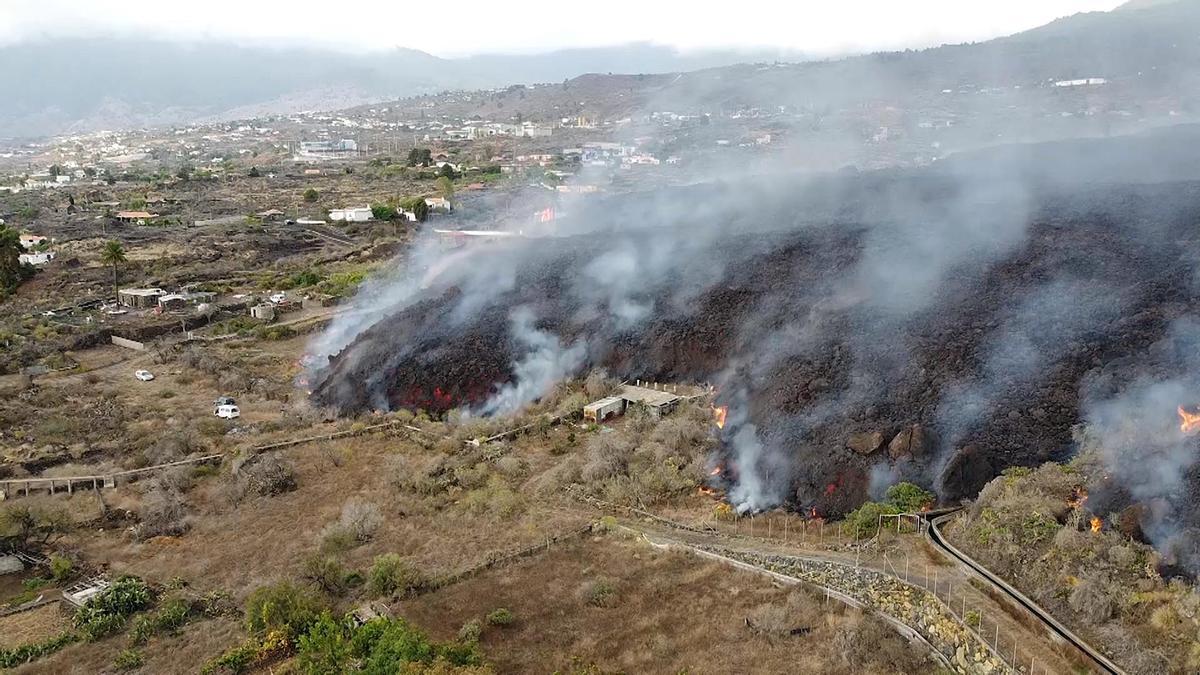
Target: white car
x=143, y=375
x=228, y=412
x=278, y=298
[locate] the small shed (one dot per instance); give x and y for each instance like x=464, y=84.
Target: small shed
x=80, y=593
x=139, y=297
x=264, y=312
x=605, y=408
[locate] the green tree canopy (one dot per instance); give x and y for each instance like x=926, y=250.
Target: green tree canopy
x=311, y=195
x=113, y=254
x=12, y=270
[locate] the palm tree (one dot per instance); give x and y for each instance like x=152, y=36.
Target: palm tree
x=113, y=254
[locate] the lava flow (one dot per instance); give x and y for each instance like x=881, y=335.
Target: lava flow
x=1188, y=422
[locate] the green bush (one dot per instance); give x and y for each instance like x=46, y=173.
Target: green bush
x=326, y=573
x=236, y=660
x=391, y=574
x=909, y=498
x=61, y=568
x=326, y=647
x=282, y=607
x=168, y=618
x=128, y=659
x=107, y=611
x=500, y=616
x=864, y=521
x=26, y=653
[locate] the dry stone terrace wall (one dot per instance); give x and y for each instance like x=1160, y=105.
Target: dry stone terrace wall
x=914, y=607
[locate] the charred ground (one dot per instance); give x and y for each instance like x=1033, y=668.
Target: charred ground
x=843, y=388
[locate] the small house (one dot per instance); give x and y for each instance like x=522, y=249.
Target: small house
x=139, y=217
x=140, y=298
x=263, y=312
x=358, y=214
x=270, y=215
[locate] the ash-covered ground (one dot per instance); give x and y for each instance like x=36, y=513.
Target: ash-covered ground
x=936, y=325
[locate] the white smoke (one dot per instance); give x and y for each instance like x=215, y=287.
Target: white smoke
x=545, y=363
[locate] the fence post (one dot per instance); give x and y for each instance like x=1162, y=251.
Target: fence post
x=906, y=567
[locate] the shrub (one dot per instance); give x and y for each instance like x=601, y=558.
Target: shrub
x=864, y=521
x=500, y=616
x=470, y=631
x=128, y=659
x=108, y=610
x=263, y=475
x=392, y=575
x=326, y=573
x=361, y=519
x=61, y=567
x=311, y=195
x=909, y=498
x=16, y=656
x=162, y=513
x=168, y=619
x=326, y=647
x=600, y=593
x=282, y=607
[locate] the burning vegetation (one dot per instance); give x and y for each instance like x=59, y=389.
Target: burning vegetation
x=853, y=348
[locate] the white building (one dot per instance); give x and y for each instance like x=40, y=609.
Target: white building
x=357, y=214
x=36, y=258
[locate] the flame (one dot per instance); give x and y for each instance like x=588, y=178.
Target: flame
x=716, y=471
x=1078, y=497
x=707, y=491
x=1096, y=523
x=1188, y=422
x=719, y=414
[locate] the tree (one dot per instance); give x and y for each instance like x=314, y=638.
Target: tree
x=55, y=170
x=417, y=206
x=12, y=270
x=383, y=212
x=311, y=195
x=446, y=187
x=113, y=254
x=184, y=172
x=447, y=171
x=909, y=498
x=254, y=172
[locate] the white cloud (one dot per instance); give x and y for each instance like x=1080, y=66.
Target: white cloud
x=469, y=26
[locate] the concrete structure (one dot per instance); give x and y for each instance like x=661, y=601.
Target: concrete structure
x=658, y=401
x=80, y=593
x=605, y=408
x=264, y=312
x=139, y=297
x=139, y=217
x=11, y=564
x=357, y=214
x=36, y=258
x=327, y=149
x=437, y=203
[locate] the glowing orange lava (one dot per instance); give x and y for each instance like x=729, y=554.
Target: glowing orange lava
x=719, y=414
x=1096, y=524
x=1188, y=422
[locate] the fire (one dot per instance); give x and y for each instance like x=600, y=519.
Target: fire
x=719, y=414
x=715, y=472
x=1096, y=523
x=1078, y=497
x=1188, y=422
x=707, y=491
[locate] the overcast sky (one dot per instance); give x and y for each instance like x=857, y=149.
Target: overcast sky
x=455, y=28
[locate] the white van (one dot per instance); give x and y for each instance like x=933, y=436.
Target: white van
x=228, y=411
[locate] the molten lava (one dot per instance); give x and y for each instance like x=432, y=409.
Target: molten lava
x=719, y=414
x=1188, y=422
x=1096, y=523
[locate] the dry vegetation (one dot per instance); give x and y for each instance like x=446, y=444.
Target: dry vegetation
x=606, y=605
x=390, y=516
x=1103, y=584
